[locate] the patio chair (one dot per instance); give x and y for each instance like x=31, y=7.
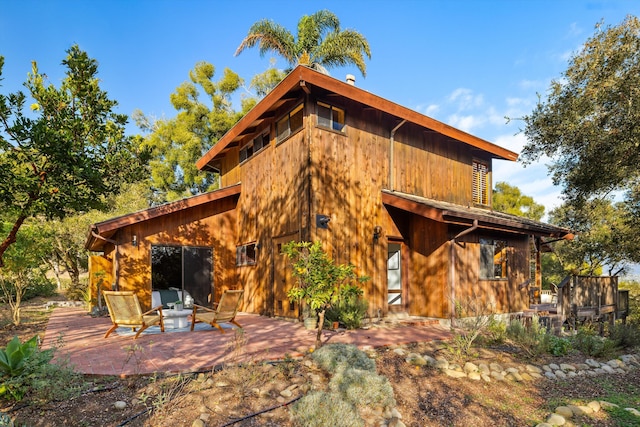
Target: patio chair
x=124, y=310
x=223, y=312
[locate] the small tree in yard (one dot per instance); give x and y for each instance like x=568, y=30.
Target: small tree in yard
x=319, y=278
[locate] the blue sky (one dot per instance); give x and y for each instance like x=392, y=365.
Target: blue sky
x=466, y=63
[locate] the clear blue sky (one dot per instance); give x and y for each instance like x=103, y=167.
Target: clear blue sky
x=466, y=63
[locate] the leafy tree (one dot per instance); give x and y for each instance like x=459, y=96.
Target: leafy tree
x=320, y=43
x=264, y=82
x=67, y=236
x=509, y=199
x=23, y=267
x=176, y=144
x=319, y=278
x=589, y=125
x=65, y=154
x=604, y=241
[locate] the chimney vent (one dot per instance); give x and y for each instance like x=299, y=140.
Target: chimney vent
x=351, y=79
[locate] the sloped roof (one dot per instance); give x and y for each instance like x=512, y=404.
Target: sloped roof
x=304, y=78
x=465, y=215
x=106, y=229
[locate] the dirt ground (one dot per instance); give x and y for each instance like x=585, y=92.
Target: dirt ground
x=236, y=394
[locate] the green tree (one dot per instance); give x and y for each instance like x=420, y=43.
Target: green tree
x=23, y=266
x=68, y=152
x=589, y=125
x=320, y=43
x=509, y=199
x=319, y=278
x=605, y=242
x=66, y=253
x=176, y=144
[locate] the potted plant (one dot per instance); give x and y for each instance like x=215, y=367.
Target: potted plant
x=318, y=279
x=178, y=305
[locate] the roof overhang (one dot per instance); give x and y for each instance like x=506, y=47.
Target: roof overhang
x=304, y=78
x=453, y=214
x=101, y=232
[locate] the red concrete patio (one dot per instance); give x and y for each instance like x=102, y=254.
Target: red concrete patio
x=263, y=338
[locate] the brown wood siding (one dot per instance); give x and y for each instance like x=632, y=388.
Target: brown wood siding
x=431, y=165
x=211, y=225
x=230, y=169
x=348, y=172
x=275, y=204
x=429, y=256
x=504, y=295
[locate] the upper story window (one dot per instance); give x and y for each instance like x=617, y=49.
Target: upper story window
x=330, y=117
x=493, y=259
x=481, y=183
x=246, y=254
x=254, y=146
x=290, y=123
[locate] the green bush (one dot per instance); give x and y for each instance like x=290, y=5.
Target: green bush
x=321, y=409
x=533, y=340
x=557, y=346
x=496, y=332
x=588, y=342
x=26, y=369
x=363, y=387
x=38, y=286
x=625, y=336
x=349, y=309
x=338, y=357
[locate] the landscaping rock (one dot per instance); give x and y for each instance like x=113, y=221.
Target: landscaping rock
x=120, y=405
x=565, y=411
x=556, y=420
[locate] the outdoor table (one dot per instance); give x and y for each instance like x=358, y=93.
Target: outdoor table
x=175, y=319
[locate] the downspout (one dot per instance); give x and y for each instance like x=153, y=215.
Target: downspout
x=391, y=154
x=115, y=258
x=452, y=268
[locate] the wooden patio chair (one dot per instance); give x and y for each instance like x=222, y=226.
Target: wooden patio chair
x=223, y=312
x=125, y=310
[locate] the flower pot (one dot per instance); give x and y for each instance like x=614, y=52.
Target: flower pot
x=335, y=325
x=311, y=323
x=179, y=306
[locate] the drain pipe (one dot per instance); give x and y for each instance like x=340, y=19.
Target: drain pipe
x=452, y=268
x=391, y=154
x=115, y=257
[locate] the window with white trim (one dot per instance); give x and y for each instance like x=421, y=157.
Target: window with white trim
x=481, y=183
x=246, y=254
x=331, y=117
x=289, y=124
x=254, y=146
x=493, y=259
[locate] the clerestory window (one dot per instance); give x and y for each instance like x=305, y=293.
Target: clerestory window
x=331, y=117
x=289, y=124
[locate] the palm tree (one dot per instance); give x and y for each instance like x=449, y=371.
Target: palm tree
x=320, y=43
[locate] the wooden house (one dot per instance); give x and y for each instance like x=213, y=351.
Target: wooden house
x=404, y=197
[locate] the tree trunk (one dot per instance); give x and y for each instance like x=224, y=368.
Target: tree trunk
x=320, y=325
x=11, y=238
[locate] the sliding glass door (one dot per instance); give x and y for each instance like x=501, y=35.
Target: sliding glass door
x=183, y=267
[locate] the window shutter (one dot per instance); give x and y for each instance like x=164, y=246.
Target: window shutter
x=480, y=183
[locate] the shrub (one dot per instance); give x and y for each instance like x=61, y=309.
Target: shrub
x=24, y=368
x=625, y=336
x=588, y=342
x=533, y=340
x=363, y=387
x=350, y=308
x=337, y=357
x=321, y=409
x=557, y=346
x=496, y=332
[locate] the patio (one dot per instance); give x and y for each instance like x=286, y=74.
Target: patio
x=264, y=338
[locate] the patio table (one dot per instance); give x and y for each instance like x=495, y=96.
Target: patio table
x=176, y=319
